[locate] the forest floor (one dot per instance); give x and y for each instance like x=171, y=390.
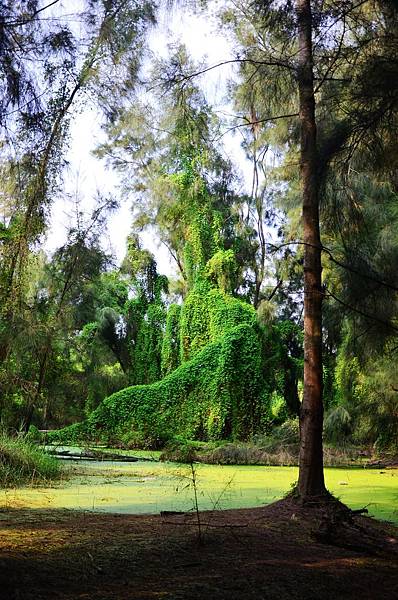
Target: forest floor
x=281, y=551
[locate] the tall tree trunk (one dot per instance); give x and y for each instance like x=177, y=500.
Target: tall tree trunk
x=311, y=479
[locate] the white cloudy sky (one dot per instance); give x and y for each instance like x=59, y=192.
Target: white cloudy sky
x=86, y=174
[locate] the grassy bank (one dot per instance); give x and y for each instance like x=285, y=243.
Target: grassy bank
x=279, y=448
x=22, y=462
x=240, y=453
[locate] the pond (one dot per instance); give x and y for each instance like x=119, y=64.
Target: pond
x=151, y=487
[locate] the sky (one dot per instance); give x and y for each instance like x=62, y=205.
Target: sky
x=85, y=174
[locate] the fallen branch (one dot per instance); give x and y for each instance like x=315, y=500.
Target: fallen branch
x=95, y=455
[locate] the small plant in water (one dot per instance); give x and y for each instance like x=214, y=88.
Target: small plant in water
x=196, y=503
x=193, y=485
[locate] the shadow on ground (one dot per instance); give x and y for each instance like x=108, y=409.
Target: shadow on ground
x=275, y=552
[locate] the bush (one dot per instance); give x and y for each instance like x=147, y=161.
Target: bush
x=283, y=436
x=33, y=434
x=337, y=427
x=180, y=452
x=22, y=462
x=248, y=454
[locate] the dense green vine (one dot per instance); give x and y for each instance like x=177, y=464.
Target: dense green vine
x=207, y=314
x=170, y=358
x=217, y=362
x=219, y=391
x=217, y=394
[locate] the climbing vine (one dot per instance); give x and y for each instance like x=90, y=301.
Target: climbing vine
x=217, y=362
x=170, y=358
x=219, y=390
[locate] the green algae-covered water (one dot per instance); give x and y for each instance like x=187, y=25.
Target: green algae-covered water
x=145, y=487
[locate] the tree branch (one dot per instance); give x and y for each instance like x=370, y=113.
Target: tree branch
x=31, y=17
x=340, y=264
x=361, y=312
x=333, y=62
x=256, y=122
x=268, y=63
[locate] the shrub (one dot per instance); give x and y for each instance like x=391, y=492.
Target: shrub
x=249, y=454
x=22, y=462
x=283, y=436
x=337, y=426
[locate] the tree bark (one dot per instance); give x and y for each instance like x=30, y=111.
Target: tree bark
x=311, y=480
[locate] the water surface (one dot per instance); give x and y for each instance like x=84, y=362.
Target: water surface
x=144, y=487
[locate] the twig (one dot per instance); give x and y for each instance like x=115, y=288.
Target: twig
x=208, y=525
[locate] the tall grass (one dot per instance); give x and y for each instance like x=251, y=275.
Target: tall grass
x=22, y=462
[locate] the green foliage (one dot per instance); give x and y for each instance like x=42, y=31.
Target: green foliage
x=181, y=450
x=144, y=315
x=22, y=462
x=347, y=375
x=376, y=413
x=286, y=364
x=99, y=381
x=285, y=435
x=337, y=425
x=41, y=373
x=170, y=358
x=147, y=349
x=183, y=187
x=219, y=393
x=366, y=398
x=224, y=376
x=207, y=314
x=221, y=270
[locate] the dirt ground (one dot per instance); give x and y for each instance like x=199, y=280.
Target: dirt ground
x=281, y=551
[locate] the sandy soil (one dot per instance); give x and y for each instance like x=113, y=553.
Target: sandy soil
x=282, y=551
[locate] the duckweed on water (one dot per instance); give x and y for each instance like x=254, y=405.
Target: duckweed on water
x=138, y=488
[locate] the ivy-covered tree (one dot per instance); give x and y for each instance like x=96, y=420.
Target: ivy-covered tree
x=182, y=186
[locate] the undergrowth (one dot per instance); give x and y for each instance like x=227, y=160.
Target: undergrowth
x=279, y=448
x=22, y=462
